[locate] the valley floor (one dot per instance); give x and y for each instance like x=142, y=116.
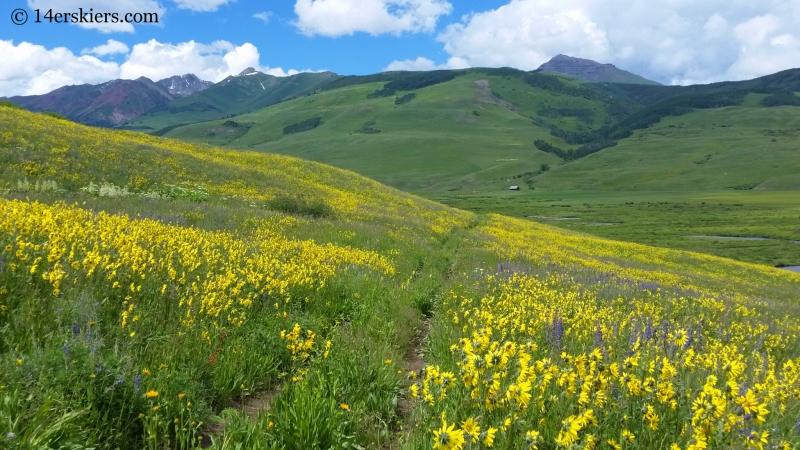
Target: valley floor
x=723, y=223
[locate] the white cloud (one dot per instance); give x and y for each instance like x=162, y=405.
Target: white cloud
x=524, y=35
x=156, y=60
x=716, y=26
x=30, y=69
x=766, y=48
x=673, y=41
x=109, y=48
x=345, y=17
x=201, y=5
x=412, y=64
x=263, y=16
x=212, y=62
x=121, y=7
x=422, y=64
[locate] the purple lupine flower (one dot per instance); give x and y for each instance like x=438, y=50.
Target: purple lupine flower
x=120, y=380
x=648, y=329
x=76, y=330
x=137, y=380
x=689, y=339
x=558, y=331
x=66, y=350
x=598, y=335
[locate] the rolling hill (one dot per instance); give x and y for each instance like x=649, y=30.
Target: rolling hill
x=476, y=130
x=162, y=294
x=233, y=96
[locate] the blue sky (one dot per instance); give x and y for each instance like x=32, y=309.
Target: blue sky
x=671, y=41
x=279, y=42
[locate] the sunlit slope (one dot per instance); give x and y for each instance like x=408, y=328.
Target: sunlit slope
x=457, y=134
x=727, y=148
x=37, y=147
x=522, y=240
x=130, y=319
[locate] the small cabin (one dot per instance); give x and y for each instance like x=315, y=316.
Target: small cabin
x=513, y=188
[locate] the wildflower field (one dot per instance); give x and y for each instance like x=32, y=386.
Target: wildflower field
x=157, y=294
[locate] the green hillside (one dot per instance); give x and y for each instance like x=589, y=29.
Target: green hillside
x=451, y=135
x=727, y=148
x=470, y=136
x=166, y=295
x=475, y=132
x=232, y=96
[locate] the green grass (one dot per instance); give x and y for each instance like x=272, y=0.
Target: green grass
x=663, y=219
x=76, y=362
x=728, y=148
x=433, y=143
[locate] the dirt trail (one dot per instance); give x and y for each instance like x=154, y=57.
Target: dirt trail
x=250, y=407
x=414, y=361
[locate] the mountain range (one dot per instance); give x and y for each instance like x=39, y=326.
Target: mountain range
x=183, y=99
x=111, y=103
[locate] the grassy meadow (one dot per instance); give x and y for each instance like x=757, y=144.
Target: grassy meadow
x=448, y=131
x=161, y=294
x=721, y=223
x=730, y=172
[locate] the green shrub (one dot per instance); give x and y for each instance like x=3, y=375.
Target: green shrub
x=368, y=128
x=107, y=190
x=405, y=99
x=192, y=193
x=301, y=206
x=308, y=124
x=39, y=186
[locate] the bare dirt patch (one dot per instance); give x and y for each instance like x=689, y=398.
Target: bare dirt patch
x=485, y=96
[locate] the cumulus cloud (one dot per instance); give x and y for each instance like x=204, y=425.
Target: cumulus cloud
x=525, y=34
x=121, y=7
x=215, y=61
x=201, y=5
x=109, y=48
x=30, y=69
x=766, y=47
x=422, y=64
x=263, y=16
x=672, y=41
x=346, y=17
